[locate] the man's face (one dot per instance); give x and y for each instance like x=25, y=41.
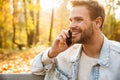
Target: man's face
x=81, y=25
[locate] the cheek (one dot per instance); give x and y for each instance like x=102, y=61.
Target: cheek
x=82, y=26
x=80, y=23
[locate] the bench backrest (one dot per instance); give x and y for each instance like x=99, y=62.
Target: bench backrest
x=24, y=76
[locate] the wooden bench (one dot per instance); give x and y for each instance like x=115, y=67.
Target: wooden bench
x=21, y=76
x=26, y=76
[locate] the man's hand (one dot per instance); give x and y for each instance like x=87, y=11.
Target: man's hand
x=59, y=44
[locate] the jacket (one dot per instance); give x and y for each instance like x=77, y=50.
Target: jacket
x=65, y=65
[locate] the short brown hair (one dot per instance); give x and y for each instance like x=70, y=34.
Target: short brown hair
x=95, y=9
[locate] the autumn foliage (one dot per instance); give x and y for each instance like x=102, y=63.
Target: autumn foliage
x=18, y=61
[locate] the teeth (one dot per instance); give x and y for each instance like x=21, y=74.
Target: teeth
x=75, y=33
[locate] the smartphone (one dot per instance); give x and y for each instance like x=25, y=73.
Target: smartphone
x=68, y=40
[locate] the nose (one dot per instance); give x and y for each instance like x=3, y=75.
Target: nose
x=72, y=25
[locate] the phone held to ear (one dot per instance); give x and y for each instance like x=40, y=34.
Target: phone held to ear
x=68, y=40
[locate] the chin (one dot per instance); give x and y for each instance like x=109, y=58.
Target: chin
x=75, y=40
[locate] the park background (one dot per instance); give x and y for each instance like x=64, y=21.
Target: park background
x=28, y=27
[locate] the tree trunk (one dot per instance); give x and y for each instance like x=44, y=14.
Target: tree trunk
x=25, y=17
x=51, y=26
x=37, y=23
x=14, y=21
x=31, y=33
x=0, y=37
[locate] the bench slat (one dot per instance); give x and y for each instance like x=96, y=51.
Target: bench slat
x=23, y=76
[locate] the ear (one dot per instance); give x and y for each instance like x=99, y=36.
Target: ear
x=98, y=22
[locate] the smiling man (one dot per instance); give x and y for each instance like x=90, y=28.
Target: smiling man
x=91, y=56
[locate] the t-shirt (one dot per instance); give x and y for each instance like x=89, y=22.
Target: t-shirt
x=85, y=66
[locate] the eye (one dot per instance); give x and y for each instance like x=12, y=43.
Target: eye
x=70, y=20
x=79, y=19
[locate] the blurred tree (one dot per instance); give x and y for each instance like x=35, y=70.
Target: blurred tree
x=51, y=25
x=15, y=25
x=25, y=19
x=14, y=20
x=59, y=18
x=31, y=24
x=5, y=18
x=37, y=36
x=111, y=24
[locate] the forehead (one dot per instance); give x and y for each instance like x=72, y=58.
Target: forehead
x=79, y=11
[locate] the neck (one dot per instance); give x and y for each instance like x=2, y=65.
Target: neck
x=93, y=47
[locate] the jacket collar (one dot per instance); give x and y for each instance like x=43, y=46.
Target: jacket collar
x=104, y=54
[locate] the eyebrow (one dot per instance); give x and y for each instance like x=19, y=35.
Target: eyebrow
x=78, y=17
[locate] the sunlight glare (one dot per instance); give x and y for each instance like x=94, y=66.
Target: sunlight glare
x=47, y=5
x=117, y=11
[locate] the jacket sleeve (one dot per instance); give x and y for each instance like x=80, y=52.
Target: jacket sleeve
x=37, y=66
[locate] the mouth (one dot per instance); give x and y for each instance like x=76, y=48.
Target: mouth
x=75, y=33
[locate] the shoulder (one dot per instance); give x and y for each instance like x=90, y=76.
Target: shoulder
x=115, y=46
x=70, y=52
x=115, y=53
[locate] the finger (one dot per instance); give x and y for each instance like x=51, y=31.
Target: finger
x=62, y=38
x=67, y=33
x=59, y=40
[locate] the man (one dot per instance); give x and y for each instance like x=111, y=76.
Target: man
x=91, y=56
